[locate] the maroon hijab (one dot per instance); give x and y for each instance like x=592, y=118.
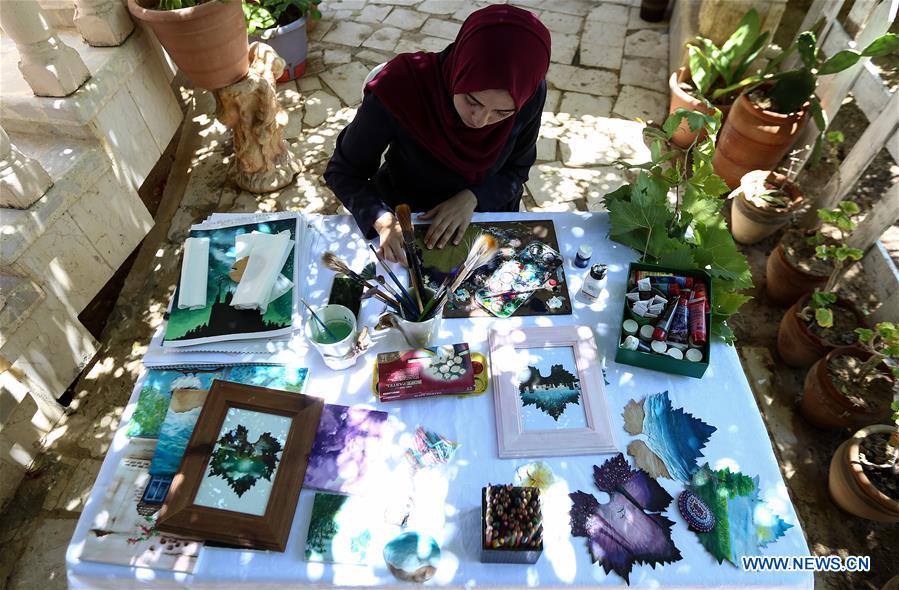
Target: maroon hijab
x=498, y=47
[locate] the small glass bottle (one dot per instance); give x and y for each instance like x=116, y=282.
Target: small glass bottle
x=594, y=282
x=582, y=258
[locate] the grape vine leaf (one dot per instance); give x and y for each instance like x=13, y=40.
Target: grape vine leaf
x=719, y=254
x=675, y=436
x=629, y=528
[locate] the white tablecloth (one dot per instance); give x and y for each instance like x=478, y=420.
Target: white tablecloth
x=722, y=398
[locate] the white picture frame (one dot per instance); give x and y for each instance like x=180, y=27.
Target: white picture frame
x=513, y=440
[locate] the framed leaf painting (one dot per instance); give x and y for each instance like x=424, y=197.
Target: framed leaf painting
x=548, y=392
x=243, y=468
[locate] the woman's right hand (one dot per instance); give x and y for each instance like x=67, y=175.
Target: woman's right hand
x=391, y=236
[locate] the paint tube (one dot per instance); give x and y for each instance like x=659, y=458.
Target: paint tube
x=697, y=307
x=663, y=278
x=664, y=324
x=680, y=325
x=663, y=283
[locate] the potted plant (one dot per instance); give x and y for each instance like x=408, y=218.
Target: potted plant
x=864, y=472
x=802, y=261
x=281, y=24
x=762, y=204
x=852, y=386
x=710, y=70
x=207, y=39
x=689, y=233
x=772, y=108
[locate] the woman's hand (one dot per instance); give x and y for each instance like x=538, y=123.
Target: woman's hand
x=450, y=219
x=391, y=235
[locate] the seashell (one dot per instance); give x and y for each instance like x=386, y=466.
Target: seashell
x=412, y=557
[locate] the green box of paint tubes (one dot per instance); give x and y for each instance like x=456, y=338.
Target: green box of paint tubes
x=663, y=362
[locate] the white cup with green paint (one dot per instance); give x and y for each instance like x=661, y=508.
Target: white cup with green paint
x=337, y=347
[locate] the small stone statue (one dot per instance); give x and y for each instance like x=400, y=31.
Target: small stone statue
x=262, y=161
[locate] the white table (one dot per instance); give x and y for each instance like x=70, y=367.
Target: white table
x=722, y=398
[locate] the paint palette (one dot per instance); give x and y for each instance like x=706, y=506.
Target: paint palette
x=510, y=286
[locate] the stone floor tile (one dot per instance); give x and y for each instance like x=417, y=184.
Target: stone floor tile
x=644, y=72
x=441, y=6
x=602, y=33
x=597, y=143
x=553, y=97
x=395, y=2
x=466, y=10
x=373, y=15
x=43, y=561
x=635, y=22
x=319, y=106
x=384, y=38
x=413, y=43
x=443, y=29
x=373, y=57
x=595, y=82
x=403, y=18
x=647, y=43
x=345, y=5
x=554, y=183
x=333, y=57
x=573, y=7
x=602, y=56
x=610, y=13
x=558, y=22
x=639, y=103
x=346, y=81
x=321, y=29
x=579, y=106
x=546, y=149
x=348, y=33
x=308, y=83
x=563, y=48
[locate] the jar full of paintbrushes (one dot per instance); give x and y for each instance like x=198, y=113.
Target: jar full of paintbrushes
x=419, y=330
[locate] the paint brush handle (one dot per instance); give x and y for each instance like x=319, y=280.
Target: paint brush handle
x=321, y=323
x=401, y=290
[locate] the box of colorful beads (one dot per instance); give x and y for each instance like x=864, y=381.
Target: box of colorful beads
x=665, y=323
x=511, y=524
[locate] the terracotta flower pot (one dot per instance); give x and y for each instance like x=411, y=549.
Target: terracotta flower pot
x=754, y=139
x=784, y=282
x=208, y=42
x=800, y=347
x=851, y=489
x=683, y=137
x=825, y=407
x=751, y=223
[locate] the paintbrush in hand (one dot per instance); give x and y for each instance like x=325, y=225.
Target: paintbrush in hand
x=482, y=252
x=404, y=216
x=333, y=262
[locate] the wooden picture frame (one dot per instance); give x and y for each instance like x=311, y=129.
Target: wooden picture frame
x=269, y=530
x=513, y=438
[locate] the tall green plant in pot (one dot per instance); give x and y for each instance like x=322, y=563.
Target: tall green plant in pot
x=710, y=69
x=774, y=105
x=282, y=25
x=688, y=230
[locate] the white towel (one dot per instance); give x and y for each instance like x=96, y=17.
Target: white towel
x=243, y=246
x=194, y=271
x=267, y=253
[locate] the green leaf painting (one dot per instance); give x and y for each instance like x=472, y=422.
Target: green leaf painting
x=743, y=522
x=156, y=393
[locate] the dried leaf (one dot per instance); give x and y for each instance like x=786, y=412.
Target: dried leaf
x=633, y=417
x=647, y=460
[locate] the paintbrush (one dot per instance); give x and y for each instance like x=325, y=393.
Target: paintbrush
x=333, y=262
x=407, y=307
x=404, y=295
x=482, y=252
x=404, y=216
x=321, y=323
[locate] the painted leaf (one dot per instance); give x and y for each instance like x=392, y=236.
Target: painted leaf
x=743, y=522
x=647, y=460
x=676, y=436
x=633, y=417
x=630, y=528
x=242, y=463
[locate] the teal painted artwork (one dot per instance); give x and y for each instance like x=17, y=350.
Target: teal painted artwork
x=156, y=394
x=674, y=438
x=743, y=522
x=549, y=389
x=218, y=318
x=273, y=376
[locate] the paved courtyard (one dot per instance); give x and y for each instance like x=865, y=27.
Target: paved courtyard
x=608, y=68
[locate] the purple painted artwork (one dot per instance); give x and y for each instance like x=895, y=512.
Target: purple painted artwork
x=629, y=528
x=347, y=444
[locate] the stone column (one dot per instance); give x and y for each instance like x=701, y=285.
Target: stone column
x=103, y=23
x=50, y=67
x=22, y=179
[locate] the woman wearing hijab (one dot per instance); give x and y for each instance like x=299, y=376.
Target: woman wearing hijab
x=459, y=127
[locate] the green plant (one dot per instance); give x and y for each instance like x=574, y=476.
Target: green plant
x=883, y=343
x=689, y=231
x=713, y=68
x=176, y=4
x=893, y=444
x=789, y=90
x=266, y=14
x=836, y=251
